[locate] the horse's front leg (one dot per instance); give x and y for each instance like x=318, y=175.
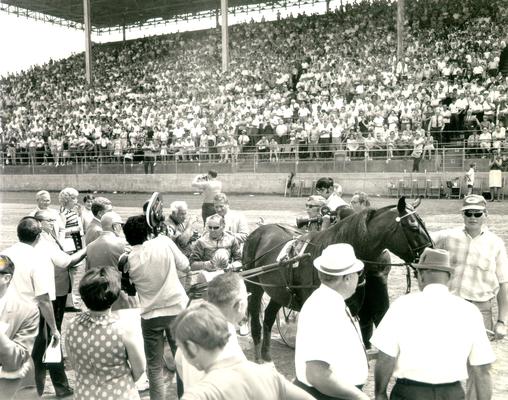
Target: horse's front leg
x=270, y=314
x=254, y=309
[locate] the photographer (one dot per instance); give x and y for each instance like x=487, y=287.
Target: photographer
x=209, y=186
x=314, y=220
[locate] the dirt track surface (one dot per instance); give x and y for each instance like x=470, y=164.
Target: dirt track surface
x=437, y=214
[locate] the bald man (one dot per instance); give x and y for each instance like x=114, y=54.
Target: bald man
x=110, y=244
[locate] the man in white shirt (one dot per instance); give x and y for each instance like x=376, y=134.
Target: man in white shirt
x=61, y=262
x=33, y=281
x=209, y=186
x=427, y=339
x=325, y=187
x=330, y=360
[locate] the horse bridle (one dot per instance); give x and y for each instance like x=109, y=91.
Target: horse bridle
x=414, y=248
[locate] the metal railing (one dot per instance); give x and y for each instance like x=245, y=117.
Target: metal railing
x=298, y=158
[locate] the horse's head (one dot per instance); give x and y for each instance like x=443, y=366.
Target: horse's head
x=410, y=237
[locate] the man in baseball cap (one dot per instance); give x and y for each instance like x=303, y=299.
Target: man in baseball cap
x=330, y=359
x=480, y=266
x=427, y=339
x=474, y=202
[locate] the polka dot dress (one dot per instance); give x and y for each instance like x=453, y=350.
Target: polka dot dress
x=100, y=359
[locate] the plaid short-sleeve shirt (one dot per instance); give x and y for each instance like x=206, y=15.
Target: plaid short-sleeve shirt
x=480, y=264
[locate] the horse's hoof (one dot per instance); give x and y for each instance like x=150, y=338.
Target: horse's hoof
x=267, y=358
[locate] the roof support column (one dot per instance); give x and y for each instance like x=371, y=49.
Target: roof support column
x=225, y=35
x=88, y=40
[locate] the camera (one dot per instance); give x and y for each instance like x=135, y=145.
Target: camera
x=303, y=221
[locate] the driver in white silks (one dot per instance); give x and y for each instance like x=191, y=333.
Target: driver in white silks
x=216, y=250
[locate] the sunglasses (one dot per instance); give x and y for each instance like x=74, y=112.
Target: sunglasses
x=476, y=214
x=213, y=228
x=311, y=206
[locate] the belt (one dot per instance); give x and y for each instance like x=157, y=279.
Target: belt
x=404, y=381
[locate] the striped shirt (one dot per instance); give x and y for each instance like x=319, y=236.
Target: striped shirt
x=480, y=264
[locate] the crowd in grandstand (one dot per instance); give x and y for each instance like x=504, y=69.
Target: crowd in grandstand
x=310, y=84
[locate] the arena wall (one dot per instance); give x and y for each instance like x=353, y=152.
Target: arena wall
x=255, y=183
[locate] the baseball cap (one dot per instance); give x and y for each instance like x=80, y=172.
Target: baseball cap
x=474, y=202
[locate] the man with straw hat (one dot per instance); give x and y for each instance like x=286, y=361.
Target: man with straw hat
x=330, y=360
x=427, y=339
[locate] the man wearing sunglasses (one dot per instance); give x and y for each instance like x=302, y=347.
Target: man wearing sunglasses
x=216, y=249
x=480, y=264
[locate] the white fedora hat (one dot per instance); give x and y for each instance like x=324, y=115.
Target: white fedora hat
x=338, y=259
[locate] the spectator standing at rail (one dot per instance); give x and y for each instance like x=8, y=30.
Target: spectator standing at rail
x=469, y=177
x=427, y=339
x=326, y=367
x=495, y=175
x=209, y=186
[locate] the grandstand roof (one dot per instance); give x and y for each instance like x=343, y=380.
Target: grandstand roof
x=113, y=14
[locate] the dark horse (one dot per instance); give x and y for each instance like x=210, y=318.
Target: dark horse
x=396, y=228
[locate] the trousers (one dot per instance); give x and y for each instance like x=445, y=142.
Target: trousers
x=406, y=389
x=154, y=330
x=57, y=370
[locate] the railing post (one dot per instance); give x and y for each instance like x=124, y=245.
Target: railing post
x=444, y=160
x=463, y=155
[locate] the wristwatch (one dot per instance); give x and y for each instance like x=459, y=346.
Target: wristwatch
x=501, y=322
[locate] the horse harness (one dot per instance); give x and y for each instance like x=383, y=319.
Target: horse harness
x=290, y=263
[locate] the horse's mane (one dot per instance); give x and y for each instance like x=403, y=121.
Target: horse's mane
x=353, y=230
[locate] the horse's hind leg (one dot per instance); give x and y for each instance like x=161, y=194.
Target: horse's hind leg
x=254, y=309
x=270, y=314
